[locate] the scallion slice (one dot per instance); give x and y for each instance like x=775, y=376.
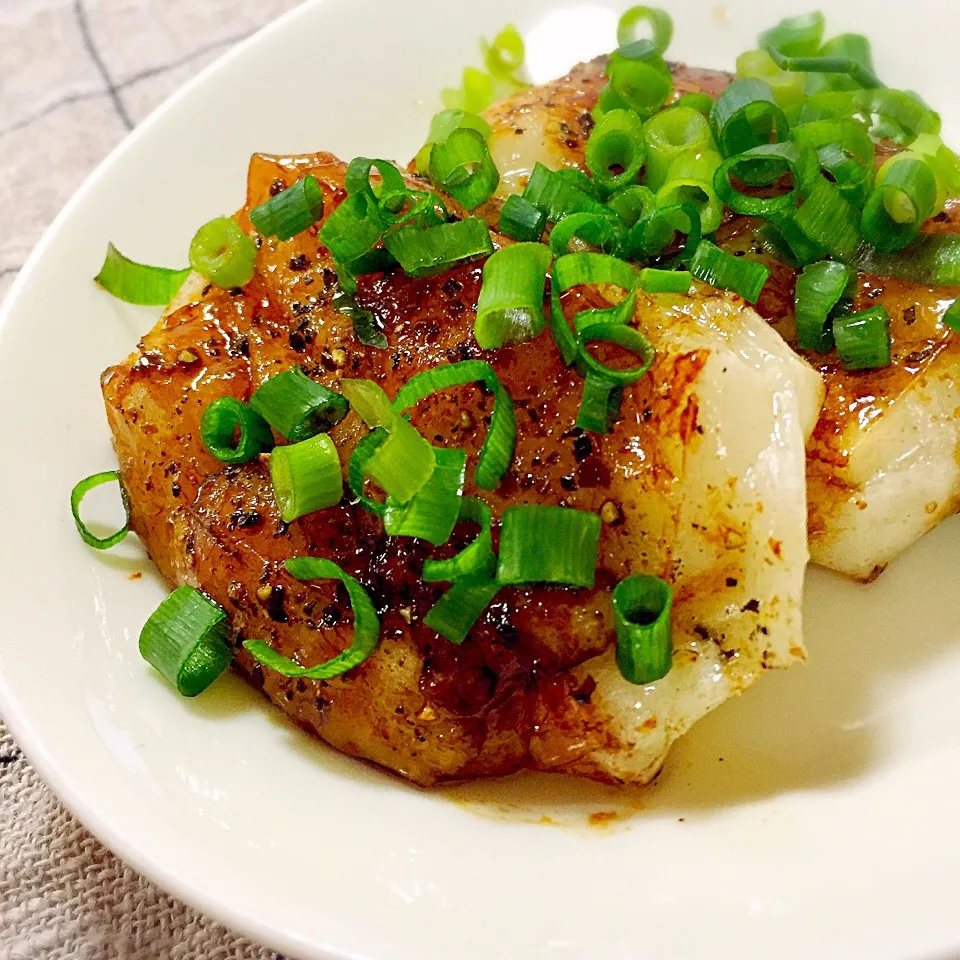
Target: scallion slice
x=504, y=56
x=386, y=195
x=510, y=306
x=298, y=407
x=432, y=514
x=933, y=260
x=863, y=339
x=477, y=559
x=787, y=88
x=603, y=232
x=404, y=462
x=291, y=211
x=721, y=269
x=422, y=253
x=365, y=325
x=632, y=203
x=796, y=36
x=781, y=158
x=557, y=197
x=541, y=544
x=639, y=77
x=522, y=220
x=603, y=390
x=496, y=454
x=455, y=613
x=641, y=610
x=819, y=289
x=659, y=22
x=616, y=150
x=366, y=626
x=670, y=133
x=232, y=432
x=701, y=102
x=845, y=152
x=903, y=198
x=185, y=641
x=581, y=269
x=665, y=281
x=223, y=253
x=462, y=166
x=306, y=477
x=352, y=229
x=690, y=180
x=357, y=469
x=138, y=283
x=747, y=115
x=475, y=93
x=76, y=498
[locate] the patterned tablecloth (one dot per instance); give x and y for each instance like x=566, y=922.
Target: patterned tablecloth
x=75, y=76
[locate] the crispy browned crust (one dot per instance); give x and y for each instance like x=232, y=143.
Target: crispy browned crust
x=422, y=707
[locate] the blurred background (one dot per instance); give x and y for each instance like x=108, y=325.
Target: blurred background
x=75, y=77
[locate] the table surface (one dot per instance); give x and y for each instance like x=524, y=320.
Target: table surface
x=75, y=77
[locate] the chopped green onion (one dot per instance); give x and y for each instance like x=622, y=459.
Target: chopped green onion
x=951, y=318
x=603, y=390
x=641, y=609
x=422, y=253
x=701, y=102
x=510, y=306
x=138, y=283
x=223, y=253
x=799, y=161
x=903, y=198
x=404, y=462
x=654, y=233
x=580, y=269
x=845, y=152
x=746, y=115
x=659, y=22
x=721, y=269
x=366, y=626
x=577, y=178
x=602, y=232
x=298, y=407
x=462, y=166
x=945, y=164
x=353, y=229
x=824, y=222
x=787, y=87
x=291, y=211
x=477, y=559
x=632, y=203
x=76, y=498
x=496, y=454
x=639, y=77
x=819, y=289
x=234, y=433
x=185, y=641
x=474, y=95
x=522, y=220
x=504, y=57
x=442, y=124
x=909, y=116
x=665, y=281
x=432, y=513
x=455, y=613
x=541, y=544
x=851, y=68
x=365, y=325
x=616, y=149
x=557, y=197
x=669, y=134
x=796, y=36
x=690, y=180
x=357, y=469
x=306, y=477
x=863, y=339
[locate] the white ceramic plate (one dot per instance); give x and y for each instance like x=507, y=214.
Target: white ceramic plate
x=814, y=817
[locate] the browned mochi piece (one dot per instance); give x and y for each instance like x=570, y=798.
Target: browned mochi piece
x=884, y=460
x=701, y=482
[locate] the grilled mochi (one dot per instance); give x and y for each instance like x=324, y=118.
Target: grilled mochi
x=884, y=460
x=701, y=481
